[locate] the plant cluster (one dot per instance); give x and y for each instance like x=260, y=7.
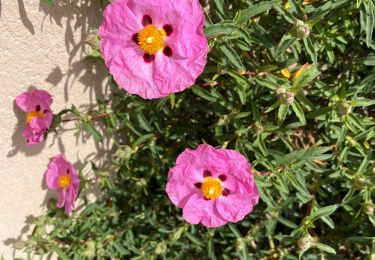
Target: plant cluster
x=288, y=84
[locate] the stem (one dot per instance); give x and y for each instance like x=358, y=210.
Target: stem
x=253, y=73
x=92, y=117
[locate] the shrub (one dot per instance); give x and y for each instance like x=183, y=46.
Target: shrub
x=290, y=85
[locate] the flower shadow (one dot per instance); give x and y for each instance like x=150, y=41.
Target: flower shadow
x=78, y=17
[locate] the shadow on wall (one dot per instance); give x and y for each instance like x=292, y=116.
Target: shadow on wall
x=24, y=18
x=78, y=18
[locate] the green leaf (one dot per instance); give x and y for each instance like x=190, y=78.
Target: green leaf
x=370, y=20
x=306, y=77
x=299, y=112
x=286, y=42
x=325, y=248
x=120, y=248
x=323, y=211
x=309, y=45
x=95, y=133
x=283, y=110
x=246, y=14
x=232, y=55
x=60, y=253
x=142, y=139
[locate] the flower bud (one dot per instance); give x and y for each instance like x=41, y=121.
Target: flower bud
x=302, y=30
x=343, y=108
x=286, y=98
x=368, y=208
x=19, y=244
x=90, y=249
x=359, y=183
x=92, y=39
x=279, y=91
x=161, y=248
x=306, y=242
x=240, y=244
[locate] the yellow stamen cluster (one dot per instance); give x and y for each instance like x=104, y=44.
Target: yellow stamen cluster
x=33, y=114
x=151, y=39
x=211, y=188
x=63, y=181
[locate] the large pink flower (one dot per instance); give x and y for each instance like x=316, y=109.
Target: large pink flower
x=37, y=105
x=213, y=186
x=62, y=176
x=155, y=47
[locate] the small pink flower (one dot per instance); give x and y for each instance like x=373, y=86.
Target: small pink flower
x=212, y=186
x=37, y=105
x=154, y=48
x=62, y=176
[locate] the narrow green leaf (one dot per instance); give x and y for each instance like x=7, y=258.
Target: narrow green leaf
x=246, y=14
x=323, y=211
x=299, y=112
x=95, y=133
x=325, y=248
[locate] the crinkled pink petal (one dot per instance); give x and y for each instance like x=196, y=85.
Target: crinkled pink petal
x=51, y=176
x=165, y=75
x=28, y=101
x=21, y=101
x=180, y=186
x=234, y=208
x=43, y=95
x=34, y=131
x=198, y=210
x=117, y=30
x=135, y=77
x=61, y=199
x=239, y=195
x=69, y=200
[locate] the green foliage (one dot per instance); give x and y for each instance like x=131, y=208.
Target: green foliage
x=309, y=136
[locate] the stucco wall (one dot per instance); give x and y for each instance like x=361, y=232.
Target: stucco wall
x=41, y=46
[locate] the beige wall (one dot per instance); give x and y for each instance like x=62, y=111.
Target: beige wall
x=41, y=46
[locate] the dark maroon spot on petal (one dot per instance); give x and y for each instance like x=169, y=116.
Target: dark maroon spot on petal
x=168, y=51
x=37, y=108
x=206, y=198
x=46, y=111
x=146, y=20
x=198, y=185
x=225, y=192
x=168, y=29
x=206, y=173
x=67, y=171
x=135, y=38
x=148, y=58
x=222, y=177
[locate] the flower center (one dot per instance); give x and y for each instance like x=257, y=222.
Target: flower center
x=33, y=114
x=63, y=181
x=151, y=39
x=211, y=188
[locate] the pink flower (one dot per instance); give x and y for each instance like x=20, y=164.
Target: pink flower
x=212, y=186
x=154, y=48
x=62, y=176
x=37, y=105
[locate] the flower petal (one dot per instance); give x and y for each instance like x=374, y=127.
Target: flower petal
x=51, y=177
x=198, y=210
x=234, y=208
x=61, y=200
